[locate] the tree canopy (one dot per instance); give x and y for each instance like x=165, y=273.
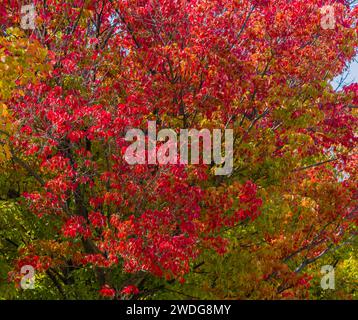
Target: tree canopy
x=94, y=226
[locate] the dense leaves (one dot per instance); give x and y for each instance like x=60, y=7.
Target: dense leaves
x=93, y=225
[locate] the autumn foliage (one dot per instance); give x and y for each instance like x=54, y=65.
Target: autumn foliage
x=71, y=88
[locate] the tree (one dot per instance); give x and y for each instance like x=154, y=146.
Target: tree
x=261, y=68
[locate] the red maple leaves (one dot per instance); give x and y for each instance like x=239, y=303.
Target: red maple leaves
x=241, y=64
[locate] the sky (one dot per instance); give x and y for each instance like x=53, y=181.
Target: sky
x=352, y=75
